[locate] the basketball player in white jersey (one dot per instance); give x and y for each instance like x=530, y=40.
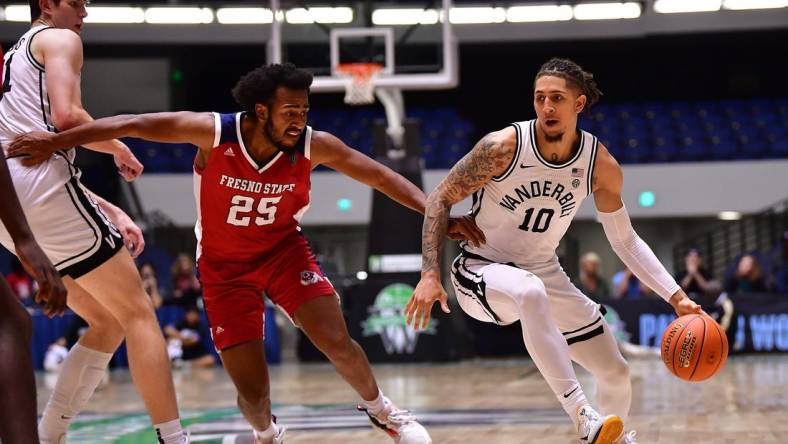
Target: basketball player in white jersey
x=527, y=182
x=75, y=228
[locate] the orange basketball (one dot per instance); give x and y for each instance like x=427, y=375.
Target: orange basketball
x=694, y=347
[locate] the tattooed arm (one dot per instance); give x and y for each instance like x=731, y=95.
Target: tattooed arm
x=489, y=158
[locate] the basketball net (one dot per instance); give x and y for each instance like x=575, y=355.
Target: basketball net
x=360, y=89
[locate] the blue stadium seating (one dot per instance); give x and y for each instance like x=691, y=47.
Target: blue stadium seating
x=648, y=132
x=46, y=331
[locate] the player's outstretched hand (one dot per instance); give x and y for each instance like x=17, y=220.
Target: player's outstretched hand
x=36, y=147
x=684, y=305
x=429, y=290
x=465, y=228
x=51, y=291
x=132, y=234
x=128, y=166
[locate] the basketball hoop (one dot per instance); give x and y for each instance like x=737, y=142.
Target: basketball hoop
x=360, y=90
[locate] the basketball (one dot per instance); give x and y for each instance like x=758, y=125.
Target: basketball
x=694, y=347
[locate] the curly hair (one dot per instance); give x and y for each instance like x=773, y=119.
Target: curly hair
x=574, y=75
x=260, y=84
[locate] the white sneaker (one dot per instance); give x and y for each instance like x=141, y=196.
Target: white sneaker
x=627, y=438
x=399, y=424
x=279, y=438
x=594, y=429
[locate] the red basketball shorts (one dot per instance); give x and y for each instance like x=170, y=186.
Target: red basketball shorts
x=233, y=291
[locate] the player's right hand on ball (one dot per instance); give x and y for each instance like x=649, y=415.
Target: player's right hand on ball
x=429, y=290
x=683, y=305
x=51, y=291
x=36, y=147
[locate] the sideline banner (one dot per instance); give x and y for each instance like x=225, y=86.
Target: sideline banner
x=375, y=316
x=759, y=323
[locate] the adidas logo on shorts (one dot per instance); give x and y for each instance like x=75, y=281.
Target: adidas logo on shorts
x=229, y=152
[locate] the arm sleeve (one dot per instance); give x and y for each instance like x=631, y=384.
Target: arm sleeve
x=636, y=254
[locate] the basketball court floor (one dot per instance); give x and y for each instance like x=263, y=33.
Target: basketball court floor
x=482, y=401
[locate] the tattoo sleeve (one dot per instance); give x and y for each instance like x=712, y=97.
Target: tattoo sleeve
x=488, y=158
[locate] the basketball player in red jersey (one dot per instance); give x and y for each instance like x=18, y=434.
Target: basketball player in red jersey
x=254, y=186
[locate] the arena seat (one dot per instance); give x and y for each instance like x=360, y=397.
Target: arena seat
x=647, y=132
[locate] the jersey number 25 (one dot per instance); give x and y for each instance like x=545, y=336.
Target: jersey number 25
x=266, y=210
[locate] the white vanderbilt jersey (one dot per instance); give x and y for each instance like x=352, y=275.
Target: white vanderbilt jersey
x=67, y=222
x=526, y=211
x=24, y=107
x=25, y=103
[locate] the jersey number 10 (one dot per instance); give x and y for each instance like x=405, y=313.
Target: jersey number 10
x=266, y=209
x=541, y=223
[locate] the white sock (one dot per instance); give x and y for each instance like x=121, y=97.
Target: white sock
x=170, y=432
x=573, y=403
x=376, y=405
x=516, y=293
x=81, y=372
x=601, y=357
x=267, y=434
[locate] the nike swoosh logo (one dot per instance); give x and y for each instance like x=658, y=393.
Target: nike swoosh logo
x=66, y=417
x=566, y=395
x=522, y=165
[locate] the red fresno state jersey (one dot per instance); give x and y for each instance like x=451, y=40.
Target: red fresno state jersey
x=246, y=209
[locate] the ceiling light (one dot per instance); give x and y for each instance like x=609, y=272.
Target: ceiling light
x=404, y=17
x=729, y=215
x=673, y=6
x=319, y=15
x=754, y=4
x=543, y=13
x=175, y=15
x=17, y=13
x=605, y=11
x=477, y=15
x=115, y=14
x=235, y=16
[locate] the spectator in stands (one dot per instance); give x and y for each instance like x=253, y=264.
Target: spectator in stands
x=184, y=341
x=186, y=288
x=627, y=286
x=151, y=284
x=748, y=277
x=591, y=282
x=716, y=303
x=57, y=351
x=55, y=355
x=21, y=283
x=695, y=278
x=781, y=267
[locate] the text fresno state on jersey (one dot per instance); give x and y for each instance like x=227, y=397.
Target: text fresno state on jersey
x=246, y=208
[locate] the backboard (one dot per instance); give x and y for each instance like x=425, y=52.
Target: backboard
x=411, y=40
